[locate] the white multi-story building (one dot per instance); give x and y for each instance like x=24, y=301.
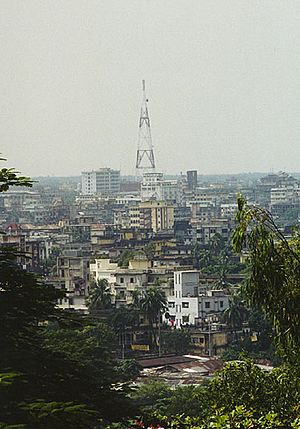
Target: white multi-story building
x=102, y=181
x=186, y=306
x=172, y=190
x=151, y=188
x=228, y=210
x=284, y=194
x=128, y=200
x=183, y=306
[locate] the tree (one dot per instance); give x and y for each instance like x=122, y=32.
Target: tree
x=273, y=285
x=149, y=250
x=176, y=341
x=125, y=257
x=9, y=177
x=99, y=296
x=47, y=382
x=235, y=314
x=153, y=303
x=216, y=244
x=128, y=369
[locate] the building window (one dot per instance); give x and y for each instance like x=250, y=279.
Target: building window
x=131, y=280
x=171, y=304
x=185, y=305
x=201, y=340
x=185, y=319
x=121, y=279
x=221, y=304
x=207, y=304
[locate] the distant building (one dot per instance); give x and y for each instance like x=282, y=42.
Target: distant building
x=102, y=181
x=187, y=307
x=206, y=231
x=192, y=179
x=228, y=210
x=151, y=187
x=154, y=215
x=172, y=191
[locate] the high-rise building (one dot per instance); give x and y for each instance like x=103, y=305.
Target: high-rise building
x=153, y=215
x=102, y=181
x=192, y=179
x=151, y=187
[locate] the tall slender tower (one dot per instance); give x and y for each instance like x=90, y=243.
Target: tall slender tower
x=144, y=155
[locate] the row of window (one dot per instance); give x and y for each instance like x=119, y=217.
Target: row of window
x=187, y=304
x=131, y=280
x=184, y=305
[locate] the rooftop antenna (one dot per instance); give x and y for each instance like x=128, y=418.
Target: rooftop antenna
x=144, y=155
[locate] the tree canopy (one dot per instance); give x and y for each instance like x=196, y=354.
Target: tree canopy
x=274, y=282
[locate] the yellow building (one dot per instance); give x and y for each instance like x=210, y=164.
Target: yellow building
x=155, y=215
x=209, y=342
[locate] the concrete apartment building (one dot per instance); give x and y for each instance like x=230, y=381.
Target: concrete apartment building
x=123, y=282
x=187, y=307
x=103, y=181
x=154, y=215
x=192, y=179
x=151, y=187
x=206, y=231
x=73, y=276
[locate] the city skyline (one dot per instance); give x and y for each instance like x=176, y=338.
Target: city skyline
x=222, y=81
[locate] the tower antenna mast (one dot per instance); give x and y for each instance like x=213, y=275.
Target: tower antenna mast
x=144, y=155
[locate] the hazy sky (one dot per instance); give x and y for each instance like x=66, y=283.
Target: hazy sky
x=222, y=77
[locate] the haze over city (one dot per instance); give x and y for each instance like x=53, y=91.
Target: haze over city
x=222, y=80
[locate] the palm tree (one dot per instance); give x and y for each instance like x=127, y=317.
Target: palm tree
x=136, y=297
x=235, y=314
x=153, y=303
x=99, y=296
x=216, y=244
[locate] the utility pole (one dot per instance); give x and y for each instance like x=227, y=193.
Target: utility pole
x=145, y=154
x=159, y=345
x=209, y=339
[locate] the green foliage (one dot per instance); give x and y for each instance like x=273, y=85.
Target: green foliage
x=236, y=313
x=128, y=369
x=153, y=303
x=149, y=250
x=74, y=364
x=152, y=397
x=239, y=418
x=244, y=383
x=239, y=394
x=59, y=377
x=216, y=259
x=125, y=257
x=50, y=415
x=175, y=341
x=9, y=177
x=24, y=302
x=273, y=285
x=99, y=296
x=124, y=317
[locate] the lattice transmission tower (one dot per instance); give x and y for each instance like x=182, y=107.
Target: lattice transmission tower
x=144, y=155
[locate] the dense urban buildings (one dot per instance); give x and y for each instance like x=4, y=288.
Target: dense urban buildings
x=171, y=233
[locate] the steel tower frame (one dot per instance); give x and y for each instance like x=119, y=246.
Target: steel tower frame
x=145, y=155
